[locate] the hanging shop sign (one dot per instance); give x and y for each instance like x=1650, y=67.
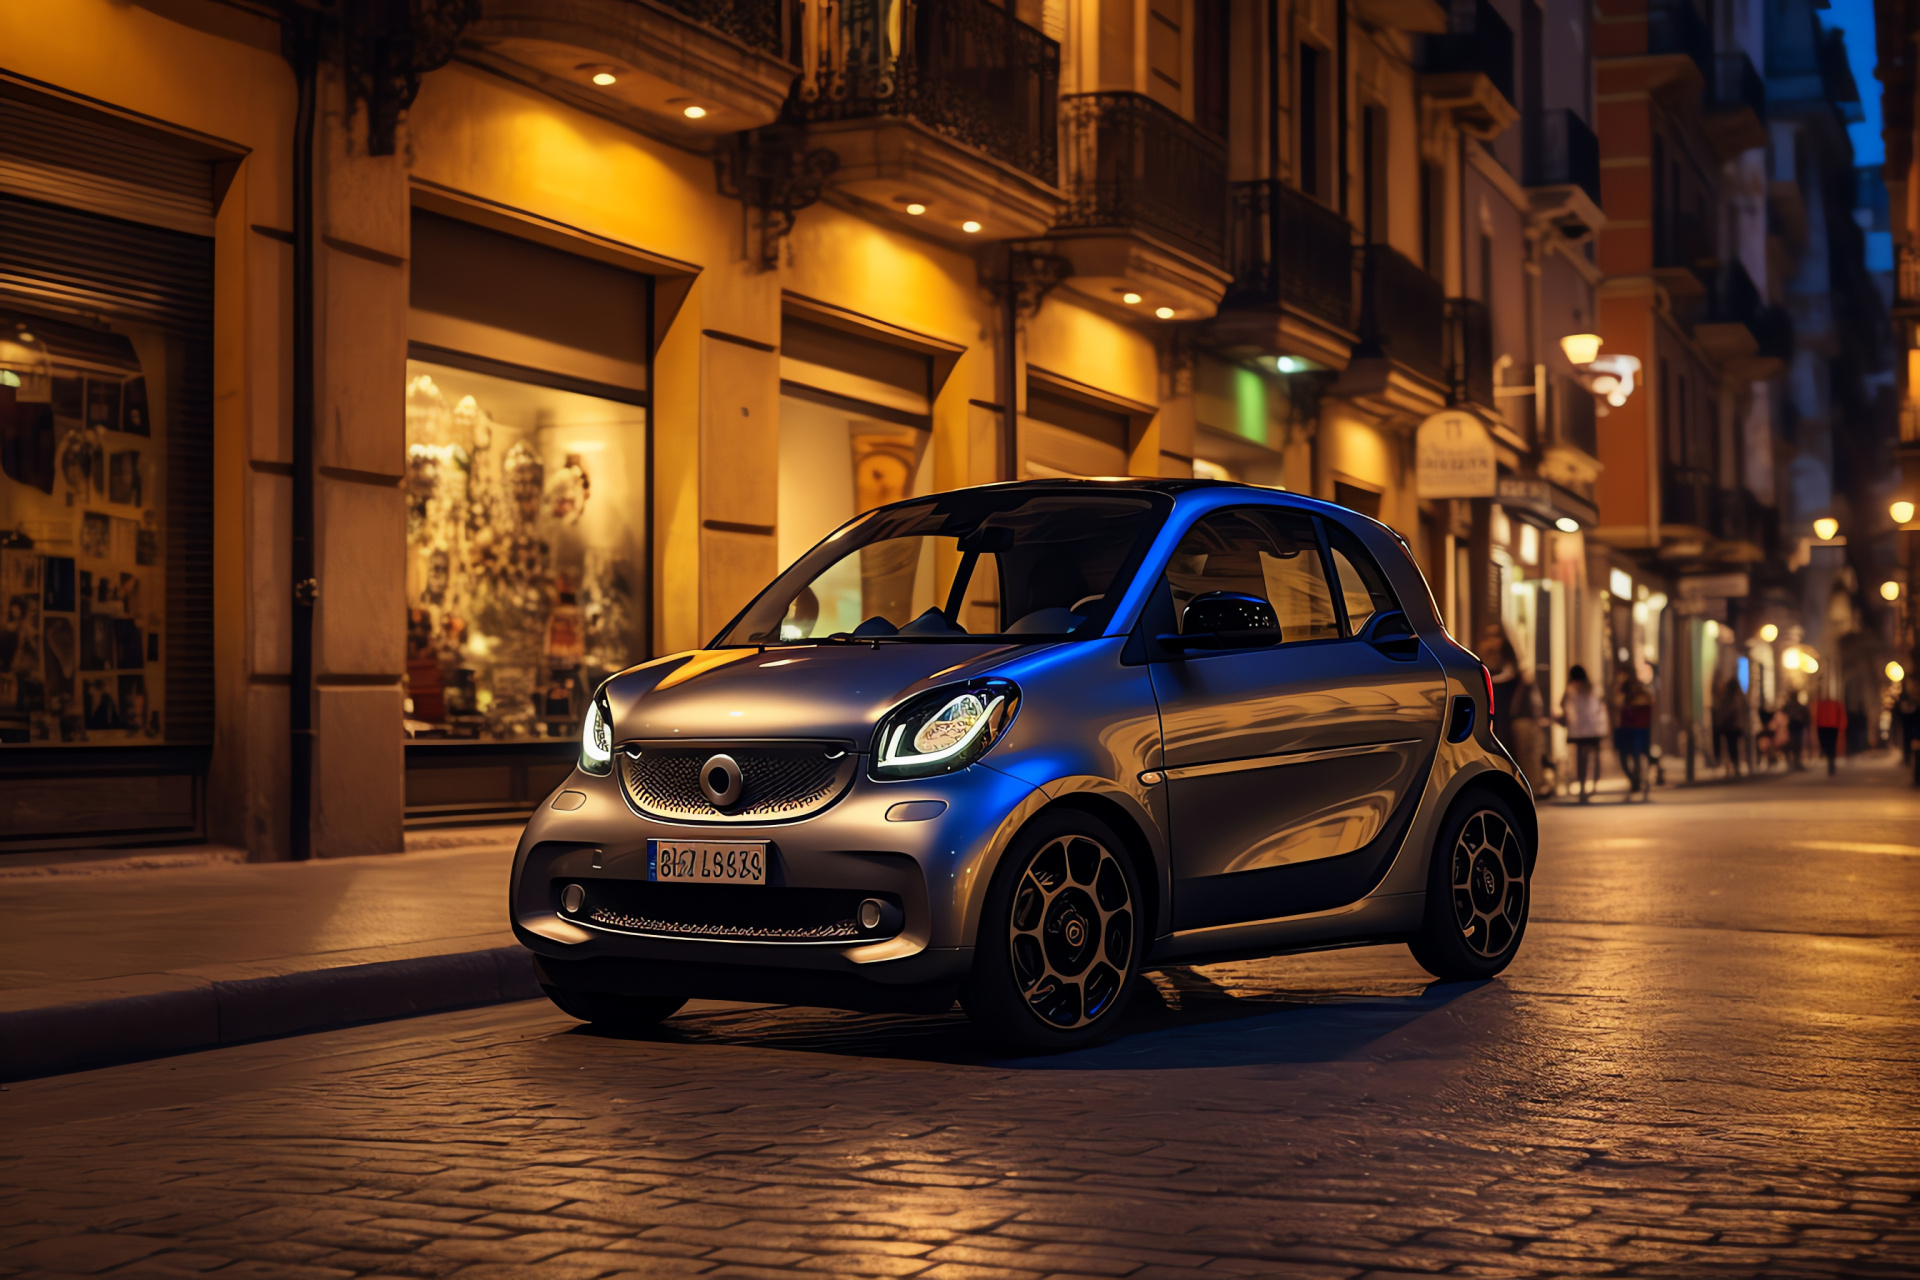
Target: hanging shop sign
x=1714, y=586
x=1453, y=457
x=1523, y=493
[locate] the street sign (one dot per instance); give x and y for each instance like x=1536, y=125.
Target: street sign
x=1453, y=457
x=1526, y=494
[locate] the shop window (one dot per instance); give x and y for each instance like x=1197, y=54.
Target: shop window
x=84, y=433
x=526, y=550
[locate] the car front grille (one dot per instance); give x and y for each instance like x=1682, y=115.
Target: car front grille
x=728, y=913
x=777, y=783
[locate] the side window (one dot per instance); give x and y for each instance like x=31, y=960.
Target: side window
x=1363, y=587
x=1264, y=552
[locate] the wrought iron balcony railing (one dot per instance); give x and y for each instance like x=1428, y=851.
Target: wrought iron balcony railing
x=1289, y=248
x=1129, y=162
x=966, y=69
x=1563, y=151
x=1402, y=311
x=758, y=24
x=1469, y=352
x=1477, y=39
x=1736, y=84
x=1675, y=26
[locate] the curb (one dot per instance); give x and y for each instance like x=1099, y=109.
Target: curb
x=187, y=1013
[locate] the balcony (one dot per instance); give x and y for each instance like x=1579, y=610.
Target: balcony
x=1289, y=250
x=728, y=57
x=1675, y=27
x=1147, y=203
x=1736, y=106
x=1402, y=312
x=1563, y=152
x=1469, y=352
x=949, y=104
x=1687, y=501
x=1478, y=41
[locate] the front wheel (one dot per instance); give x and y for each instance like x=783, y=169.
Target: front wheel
x=614, y=1012
x=1478, y=892
x=1058, y=951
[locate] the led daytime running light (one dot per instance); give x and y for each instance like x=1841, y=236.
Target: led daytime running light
x=596, y=740
x=891, y=758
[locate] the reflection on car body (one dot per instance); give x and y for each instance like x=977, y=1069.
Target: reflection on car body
x=1013, y=745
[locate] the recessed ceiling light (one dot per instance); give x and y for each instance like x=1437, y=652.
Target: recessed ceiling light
x=916, y=209
x=1165, y=313
x=695, y=113
x=1131, y=299
x=969, y=227
x=604, y=78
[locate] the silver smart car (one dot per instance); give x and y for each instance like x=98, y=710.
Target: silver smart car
x=1012, y=745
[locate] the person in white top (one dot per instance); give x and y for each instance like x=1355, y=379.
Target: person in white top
x=1584, y=713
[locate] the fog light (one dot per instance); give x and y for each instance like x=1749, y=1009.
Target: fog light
x=572, y=898
x=870, y=913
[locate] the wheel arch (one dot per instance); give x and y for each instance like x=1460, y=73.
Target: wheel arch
x=1516, y=798
x=1138, y=849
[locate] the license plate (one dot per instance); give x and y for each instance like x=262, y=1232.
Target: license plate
x=707, y=862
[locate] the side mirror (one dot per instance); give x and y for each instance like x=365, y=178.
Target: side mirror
x=1224, y=620
x=1393, y=635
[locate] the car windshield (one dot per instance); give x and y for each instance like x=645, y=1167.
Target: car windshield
x=1020, y=564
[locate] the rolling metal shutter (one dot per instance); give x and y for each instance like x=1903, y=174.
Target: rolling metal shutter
x=93, y=163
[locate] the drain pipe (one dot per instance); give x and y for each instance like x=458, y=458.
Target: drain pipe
x=302, y=37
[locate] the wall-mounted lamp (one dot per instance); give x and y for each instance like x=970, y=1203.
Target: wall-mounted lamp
x=1826, y=528
x=1889, y=591
x=1896, y=672
x=1612, y=377
x=1581, y=348
x=1901, y=511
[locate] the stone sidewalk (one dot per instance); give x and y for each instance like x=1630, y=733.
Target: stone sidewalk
x=118, y=957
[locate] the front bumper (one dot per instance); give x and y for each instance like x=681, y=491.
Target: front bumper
x=933, y=869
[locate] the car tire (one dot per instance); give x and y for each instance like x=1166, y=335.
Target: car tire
x=1061, y=931
x=615, y=1012
x=1479, y=891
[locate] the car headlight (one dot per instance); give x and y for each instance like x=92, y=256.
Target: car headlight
x=944, y=730
x=596, y=738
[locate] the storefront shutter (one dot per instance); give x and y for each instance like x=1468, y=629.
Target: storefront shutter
x=103, y=166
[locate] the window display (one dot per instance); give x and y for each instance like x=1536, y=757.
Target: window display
x=526, y=553
x=83, y=436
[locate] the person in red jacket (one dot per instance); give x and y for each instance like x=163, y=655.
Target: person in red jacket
x=1830, y=722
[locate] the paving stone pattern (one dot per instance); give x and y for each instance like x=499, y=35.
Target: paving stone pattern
x=1703, y=1063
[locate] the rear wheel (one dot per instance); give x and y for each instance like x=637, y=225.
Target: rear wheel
x=1059, y=946
x=615, y=1012
x=1479, y=891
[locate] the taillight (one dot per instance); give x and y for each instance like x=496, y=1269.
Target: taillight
x=1487, y=676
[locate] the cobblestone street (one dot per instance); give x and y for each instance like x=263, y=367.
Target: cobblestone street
x=1704, y=1061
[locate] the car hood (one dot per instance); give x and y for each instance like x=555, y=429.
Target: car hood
x=830, y=691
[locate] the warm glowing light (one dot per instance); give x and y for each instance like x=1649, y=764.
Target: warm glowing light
x=695, y=113
x=1901, y=511
x=1712, y=629
x=1581, y=348
x=1889, y=591
x=604, y=78
x=1896, y=672
x=1165, y=313
x=916, y=209
x=1567, y=524
x=1605, y=384
x=1792, y=659
x=1825, y=528
x=1131, y=299
x=1769, y=632
x=1810, y=664
x=969, y=227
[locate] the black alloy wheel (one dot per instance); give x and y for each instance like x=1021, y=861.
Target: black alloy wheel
x=1059, y=946
x=614, y=1012
x=1479, y=891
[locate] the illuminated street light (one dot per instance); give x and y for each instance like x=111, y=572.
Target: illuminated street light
x=1567, y=524
x=1896, y=672
x=1825, y=528
x=1792, y=659
x=1581, y=348
x=1901, y=511
x=1809, y=664
x=1769, y=632
x=1889, y=591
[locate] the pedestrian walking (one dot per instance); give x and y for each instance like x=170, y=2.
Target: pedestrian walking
x=1829, y=722
x=1730, y=713
x=1633, y=739
x=1584, y=714
x=1797, y=719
